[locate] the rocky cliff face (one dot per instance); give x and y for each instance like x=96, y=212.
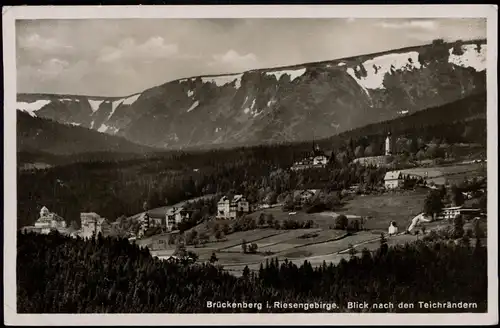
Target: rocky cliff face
x=281, y=104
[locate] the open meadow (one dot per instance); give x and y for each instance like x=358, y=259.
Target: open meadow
x=450, y=173
x=317, y=244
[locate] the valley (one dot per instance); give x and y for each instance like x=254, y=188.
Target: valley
x=323, y=181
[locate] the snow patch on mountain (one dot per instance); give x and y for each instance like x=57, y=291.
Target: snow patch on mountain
x=403, y=112
x=103, y=128
x=130, y=100
x=377, y=67
x=94, y=104
x=252, y=110
x=292, y=73
x=32, y=107
x=350, y=71
x=341, y=64
x=271, y=102
x=75, y=124
x=193, y=106
x=114, y=106
x=224, y=79
x=190, y=93
x=471, y=57
x=217, y=130
x=107, y=129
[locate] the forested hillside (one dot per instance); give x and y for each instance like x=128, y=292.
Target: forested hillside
x=57, y=274
x=36, y=134
x=112, y=184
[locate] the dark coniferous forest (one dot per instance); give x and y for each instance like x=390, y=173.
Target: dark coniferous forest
x=58, y=274
x=115, y=187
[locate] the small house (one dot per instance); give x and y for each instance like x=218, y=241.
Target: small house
x=393, y=179
x=303, y=196
x=393, y=229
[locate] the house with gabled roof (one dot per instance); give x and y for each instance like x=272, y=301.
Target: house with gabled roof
x=228, y=207
x=393, y=179
x=303, y=196
x=175, y=215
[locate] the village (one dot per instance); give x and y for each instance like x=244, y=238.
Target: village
x=290, y=227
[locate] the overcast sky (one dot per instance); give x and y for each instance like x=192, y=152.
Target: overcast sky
x=118, y=57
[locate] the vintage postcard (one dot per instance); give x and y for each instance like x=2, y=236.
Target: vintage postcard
x=248, y=165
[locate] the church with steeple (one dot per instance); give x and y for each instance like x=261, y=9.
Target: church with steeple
x=317, y=159
x=382, y=160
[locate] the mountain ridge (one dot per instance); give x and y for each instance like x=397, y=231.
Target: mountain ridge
x=279, y=104
x=378, y=53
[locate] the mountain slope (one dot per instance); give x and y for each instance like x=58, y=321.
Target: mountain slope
x=472, y=108
x=281, y=104
x=43, y=136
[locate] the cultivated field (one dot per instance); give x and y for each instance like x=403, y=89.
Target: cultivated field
x=451, y=174
x=321, y=220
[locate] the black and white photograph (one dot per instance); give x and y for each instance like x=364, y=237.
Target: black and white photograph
x=250, y=165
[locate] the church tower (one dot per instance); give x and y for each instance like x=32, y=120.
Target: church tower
x=388, y=148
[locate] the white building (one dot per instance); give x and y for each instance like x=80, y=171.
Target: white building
x=93, y=223
x=393, y=179
x=229, y=208
x=174, y=216
x=320, y=160
x=388, y=146
x=49, y=221
x=393, y=229
x=451, y=212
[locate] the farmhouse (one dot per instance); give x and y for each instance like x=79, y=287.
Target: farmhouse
x=228, y=208
x=174, y=216
x=93, y=223
x=393, y=179
x=303, y=196
x=393, y=229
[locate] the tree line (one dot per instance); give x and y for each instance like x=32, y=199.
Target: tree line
x=106, y=275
